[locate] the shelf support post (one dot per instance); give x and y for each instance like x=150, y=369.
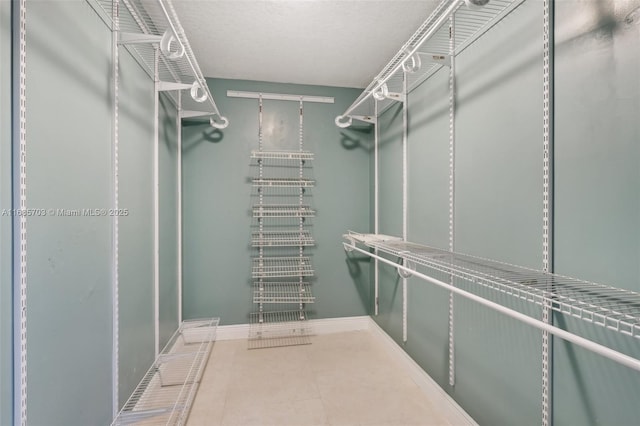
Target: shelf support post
x=547, y=212
x=452, y=195
x=376, y=200
x=156, y=205
x=115, y=278
x=405, y=141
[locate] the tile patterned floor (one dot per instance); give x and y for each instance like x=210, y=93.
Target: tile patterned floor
x=341, y=379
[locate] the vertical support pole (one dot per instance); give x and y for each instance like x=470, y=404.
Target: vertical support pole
x=547, y=209
x=115, y=278
x=300, y=203
x=260, y=203
x=156, y=206
x=452, y=187
x=376, y=218
x=20, y=222
x=405, y=126
x=179, y=138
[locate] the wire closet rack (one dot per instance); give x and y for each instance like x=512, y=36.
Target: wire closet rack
x=484, y=280
x=166, y=392
x=427, y=51
x=152, y=32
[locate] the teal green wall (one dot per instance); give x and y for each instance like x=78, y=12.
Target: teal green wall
x=168, y=173
x=136, y=244
x=598, y=196
x=499, y=208
x=69, y=165
x=217, y=201
x=6, y=349
x=69, y=258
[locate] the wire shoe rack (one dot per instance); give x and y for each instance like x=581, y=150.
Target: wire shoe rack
x=166, y=392
x=282, y=288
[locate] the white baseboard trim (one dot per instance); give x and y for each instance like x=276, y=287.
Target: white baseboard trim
x=319, y=326
x=420, y=377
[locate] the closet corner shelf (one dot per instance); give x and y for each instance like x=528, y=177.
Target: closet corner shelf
x=279, y=328
x=282, y=155
x=282, y=267
x=289, y=238
x=166, y=392
x=283, y=182
x=283, y=292
x=609, y=307
x=427, y=51
x=282, y=210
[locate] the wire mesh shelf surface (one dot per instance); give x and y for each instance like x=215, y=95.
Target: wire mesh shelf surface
x=292, y=238
x=430, y=43
x=166, y=392
x=283, y=210
x=176, y=61
x=282, y=155
x=282, y=267
x=613, y=308
x=282, y=292
x=279, y=328
x=283, y=182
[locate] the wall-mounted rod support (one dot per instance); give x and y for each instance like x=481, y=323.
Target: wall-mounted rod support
x=592, y=346
x=280, y=97
x=387, y=73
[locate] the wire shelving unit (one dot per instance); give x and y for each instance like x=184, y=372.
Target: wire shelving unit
x=166, y=392
x=427, y=51
x=283, y=182
x=283, y=210
x=485, y=280
x=281, y=185
x=282, y=267
x=279, y=328
x=289, y=238
x=283, y=155
x=150, y=29
x=283, y=292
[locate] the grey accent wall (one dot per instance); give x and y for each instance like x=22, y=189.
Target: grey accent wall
x=168, y=172
x=499, y=207
x=69, y=267
x=217, y=200
x=6, y=348
x=136, y=237
x=597, y=195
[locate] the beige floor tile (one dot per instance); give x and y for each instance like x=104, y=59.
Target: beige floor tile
x=341, y=379
x=244, y=412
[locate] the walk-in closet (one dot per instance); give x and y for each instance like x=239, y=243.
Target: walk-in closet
x=319, y=212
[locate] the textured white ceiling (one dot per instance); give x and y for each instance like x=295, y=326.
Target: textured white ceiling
x=342, y=43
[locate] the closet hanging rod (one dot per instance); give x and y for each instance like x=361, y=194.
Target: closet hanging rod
x=280, y=97
x=590, y=345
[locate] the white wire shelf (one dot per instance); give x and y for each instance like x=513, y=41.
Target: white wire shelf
x=283, y=210
x=165, y=394
x=282, y=267
x=283, y=182
x=283, y=292
x=282, y=155
x=613, y=308
x=430, y=46
x=291, y=238
x=147, y=26
x=281, y=328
